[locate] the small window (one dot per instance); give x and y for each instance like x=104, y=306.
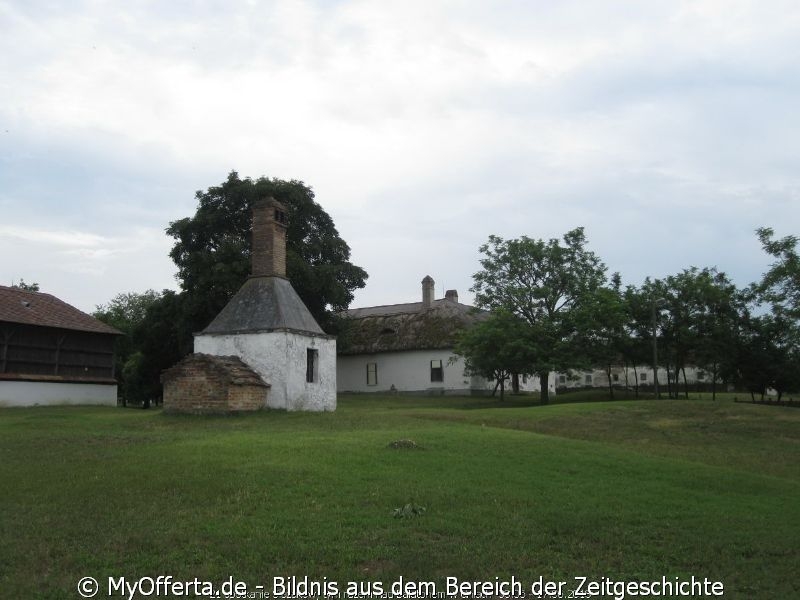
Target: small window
x=701, y=374
x=372, y=373
x=616, y=376
x=437, y=372
x=562, y=379
x=588, y=380
x=642, y=376
x=280, y=216
x=312, y=360
x=524, y=379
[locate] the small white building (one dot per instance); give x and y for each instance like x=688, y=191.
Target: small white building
x=410, y=348
x=269, y=328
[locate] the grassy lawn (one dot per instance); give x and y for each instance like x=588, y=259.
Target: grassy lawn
x=631, y=490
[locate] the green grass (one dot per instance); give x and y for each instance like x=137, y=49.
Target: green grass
x=632, y=490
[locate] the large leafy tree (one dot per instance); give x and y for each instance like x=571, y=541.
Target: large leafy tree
x=780, y=286
x=212, y=252
x=128, y=313
x=212, y=249
x=606, y=340
x=777, y=335
x=497, y=348
x=768, y=355
x=550, y=285
x=697, y=314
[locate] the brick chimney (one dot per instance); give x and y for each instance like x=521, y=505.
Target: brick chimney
x=269, y=239
x=427, y=292
x=451, y=295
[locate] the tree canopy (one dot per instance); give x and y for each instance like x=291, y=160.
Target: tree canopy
x=497, y=348
x=212, y=249
x=550, y=287
x=780, y=286
x=212, y=253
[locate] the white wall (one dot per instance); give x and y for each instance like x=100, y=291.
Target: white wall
x=280, y=358
x=600, y=378
x=410, y=371
x=32, y=393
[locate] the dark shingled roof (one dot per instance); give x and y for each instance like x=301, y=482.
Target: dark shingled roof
x=405, y=327
x=264, y=304
x=45, y=310
x=231, y=367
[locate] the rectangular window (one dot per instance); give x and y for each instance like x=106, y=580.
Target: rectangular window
x=588, y=380
x=642, y=376
x=701, y=374
x=372, y=373
x=616, y=376
x=437, y=372
x=312, y=360
x=562, y=379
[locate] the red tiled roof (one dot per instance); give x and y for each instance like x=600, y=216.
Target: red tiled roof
x=36, y=308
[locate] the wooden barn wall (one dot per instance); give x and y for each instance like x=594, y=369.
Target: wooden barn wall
x=32, y=350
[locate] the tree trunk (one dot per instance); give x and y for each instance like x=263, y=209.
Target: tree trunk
x=627, y=382
x=685, y=383
x=635, y=381
x=610, y=385
x=669, y=381
x=515, y=383
x=714, y=383
x=544, y=394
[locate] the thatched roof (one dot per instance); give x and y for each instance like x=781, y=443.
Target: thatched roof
x=405, y=327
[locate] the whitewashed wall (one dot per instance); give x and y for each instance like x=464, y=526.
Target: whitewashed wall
x=33, y=393
x=410, y=371
x=280, y=358
x=599, y=378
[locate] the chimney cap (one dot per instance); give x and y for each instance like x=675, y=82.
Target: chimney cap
x=428, y=279
x=451, y=295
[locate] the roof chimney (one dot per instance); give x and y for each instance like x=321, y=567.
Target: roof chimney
x=451, y=295
x=269, y=239
x=427, y=292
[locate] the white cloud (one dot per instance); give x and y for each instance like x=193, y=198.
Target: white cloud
x=423, y=126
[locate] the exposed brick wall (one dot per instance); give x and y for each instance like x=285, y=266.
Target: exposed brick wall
x=269, y=239
x=246, y=397
x=198, y=385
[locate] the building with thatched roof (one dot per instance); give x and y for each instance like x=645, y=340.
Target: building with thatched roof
x=408, y=347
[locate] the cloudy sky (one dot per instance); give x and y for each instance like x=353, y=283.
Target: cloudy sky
x=668, y=129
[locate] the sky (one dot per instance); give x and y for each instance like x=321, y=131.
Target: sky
x=667, y=129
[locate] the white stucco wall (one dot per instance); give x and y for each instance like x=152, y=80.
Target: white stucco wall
x=599, y=378
x=409, y=371
x=33, y=393
x=280, y=358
